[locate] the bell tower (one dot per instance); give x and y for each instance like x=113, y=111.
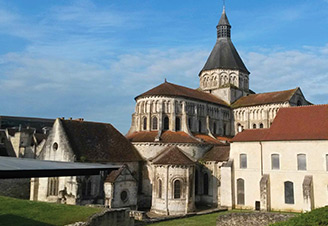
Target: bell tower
x=224, y=73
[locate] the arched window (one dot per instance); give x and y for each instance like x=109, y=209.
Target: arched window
x=289, y=192
x=239, y=128
x=145, y=123
x=196, y=182
x=154, y=123
x=254, y=126
x=301, y=162
x=190, y=123
x=224, y=129
x=159, y=188
x=53, y=183
x=166, y=123
x=275, y=162
x=243, y=161
x=199, y=126
x=240, y=192
x=177, y=124
x=177, y=189
x=299, y=103
x=214, y=128
x=261, y=125
x=205, y=184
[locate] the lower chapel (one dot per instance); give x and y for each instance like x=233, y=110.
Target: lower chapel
x=221, y=145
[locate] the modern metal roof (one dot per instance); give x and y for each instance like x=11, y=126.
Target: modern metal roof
x=25, y=168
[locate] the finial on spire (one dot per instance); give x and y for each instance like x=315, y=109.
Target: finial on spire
x=165, y=80
x=224, y=6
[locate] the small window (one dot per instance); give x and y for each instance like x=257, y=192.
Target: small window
x=301, y=162
x=261, y=126
x=243, y=161
x=214, y=128
x=124, y=196
x=196, y=182
x=299, y=103
x=240, y=192
x=159, y=188
x=275, y=163
x=166, y=123
x=177, y=124
x=145, y=123
x=289, y=192
x=55, y=146
x=154, y=123
x=177, y=189
x=199, y=126
x=254, y=126
x=53, y=185
x=190, y=123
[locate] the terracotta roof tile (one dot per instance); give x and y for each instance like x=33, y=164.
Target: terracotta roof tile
x=171, y=137
x=99, y=142
x=172, y=156
x=217, y=154
x=170, y=89
x=293, y=123
x=264, y=98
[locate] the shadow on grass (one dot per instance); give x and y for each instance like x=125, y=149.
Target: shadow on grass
x=10, y=219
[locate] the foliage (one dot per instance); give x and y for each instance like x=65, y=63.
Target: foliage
x=23, y=212
x=313, y=218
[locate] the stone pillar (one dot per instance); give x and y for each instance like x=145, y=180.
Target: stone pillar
x=227, y=191
x=167, y=190
x=173, y=115
x=307, y=194
x=265, y=192
x=187, y=190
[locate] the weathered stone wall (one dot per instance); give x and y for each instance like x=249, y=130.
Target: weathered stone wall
x=251, y=219
x=16, y=188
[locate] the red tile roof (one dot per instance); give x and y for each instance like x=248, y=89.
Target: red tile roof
x=217, y=154
x=172, y=156
x=171, y=137
x=170, y=89
x=264, y=98
x=98, y=142
x=294, y=123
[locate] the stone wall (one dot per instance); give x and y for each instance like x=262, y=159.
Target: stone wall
x=251, y=219
x=16, y=188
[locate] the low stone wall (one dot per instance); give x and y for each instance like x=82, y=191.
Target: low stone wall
x=251, y=219
x=112, y=217
x=16, y=188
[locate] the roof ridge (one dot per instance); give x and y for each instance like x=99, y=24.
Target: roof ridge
x=274, y=92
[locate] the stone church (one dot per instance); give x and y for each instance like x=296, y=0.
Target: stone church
x=186, y=147
x=183, y=134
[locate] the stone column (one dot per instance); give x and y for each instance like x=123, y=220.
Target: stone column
x=307, y=194
x=187, y=189
x=265, y=192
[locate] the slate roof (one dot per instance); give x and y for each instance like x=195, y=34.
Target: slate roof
x=264, y=98
x=114, y=174
x=170, y=89
x=293, y=123
x=170, y=137
x=172, y=156
x=98, y=142
x=224, y=19
x=217, y=154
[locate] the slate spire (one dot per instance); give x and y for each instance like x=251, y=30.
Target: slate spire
x=224, y=27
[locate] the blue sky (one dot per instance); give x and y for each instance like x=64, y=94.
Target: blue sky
x=83, y=58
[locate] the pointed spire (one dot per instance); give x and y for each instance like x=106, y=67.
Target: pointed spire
x=224, y=27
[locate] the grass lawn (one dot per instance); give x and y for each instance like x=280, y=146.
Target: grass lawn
x=202, y=220
x=23, y=212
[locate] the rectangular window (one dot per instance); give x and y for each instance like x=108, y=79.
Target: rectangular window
x=243, y=161
x=301, y=162
x=289, y=192
x=275, y=163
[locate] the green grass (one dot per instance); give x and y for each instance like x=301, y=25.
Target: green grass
x=202, y=220
x=23, y=212
x=313, y=218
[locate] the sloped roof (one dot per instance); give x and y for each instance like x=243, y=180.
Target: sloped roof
x=224, y=19
x=115, y=174
x=264, y=98
x=171, y=137
x=224, y=56
x=170, y=89
x=217, y=154
x=98, y=142
x=294, y=123
x=172, y=156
